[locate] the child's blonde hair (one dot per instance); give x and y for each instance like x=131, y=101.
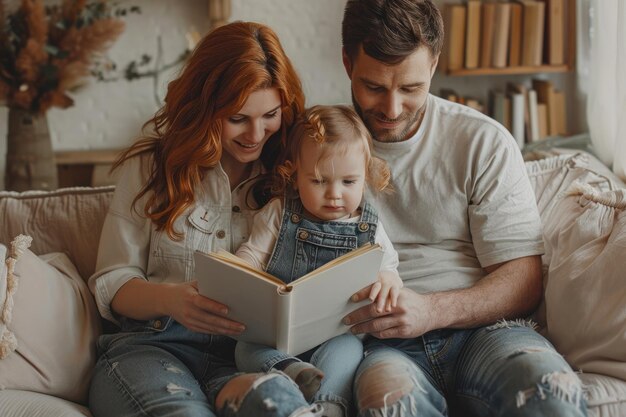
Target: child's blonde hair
x=334, y=129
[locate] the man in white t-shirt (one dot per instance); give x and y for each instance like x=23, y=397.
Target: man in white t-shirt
x=464, y=221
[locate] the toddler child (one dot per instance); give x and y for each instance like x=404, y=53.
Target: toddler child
x=321, y=216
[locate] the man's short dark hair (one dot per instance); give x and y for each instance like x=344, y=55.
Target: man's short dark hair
x=390, y=30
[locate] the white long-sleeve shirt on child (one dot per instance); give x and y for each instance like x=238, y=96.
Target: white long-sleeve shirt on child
x=259, y=247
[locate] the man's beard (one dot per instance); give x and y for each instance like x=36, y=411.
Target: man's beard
x=381, y=137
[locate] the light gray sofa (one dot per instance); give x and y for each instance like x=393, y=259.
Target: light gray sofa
x=38, y=378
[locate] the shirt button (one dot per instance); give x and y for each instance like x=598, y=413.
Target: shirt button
x=303, y=235
x=364, y=227
x=295, y=218
x=220, y=234
x=236, y=209
x=157, y=324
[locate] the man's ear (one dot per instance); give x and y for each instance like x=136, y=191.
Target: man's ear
x=347, y=62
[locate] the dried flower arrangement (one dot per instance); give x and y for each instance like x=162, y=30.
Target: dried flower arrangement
x=46, y=51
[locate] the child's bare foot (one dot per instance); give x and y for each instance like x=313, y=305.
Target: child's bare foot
x=306, y=376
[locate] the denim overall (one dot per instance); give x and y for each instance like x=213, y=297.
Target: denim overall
x=302, y=246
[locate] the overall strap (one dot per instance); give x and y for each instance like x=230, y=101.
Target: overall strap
x=368, y=213
x=368, y=223
x=292, y=203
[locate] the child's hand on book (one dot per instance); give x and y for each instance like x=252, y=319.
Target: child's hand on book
x=384, y=293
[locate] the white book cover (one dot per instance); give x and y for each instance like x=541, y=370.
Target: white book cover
x=292, y=317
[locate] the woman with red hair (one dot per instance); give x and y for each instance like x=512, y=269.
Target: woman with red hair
x=193, y=182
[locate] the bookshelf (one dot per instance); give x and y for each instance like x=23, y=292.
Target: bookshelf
x=548, y=39
x=513, y=60
x=509, y=70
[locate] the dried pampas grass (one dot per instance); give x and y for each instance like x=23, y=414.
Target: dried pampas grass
x=46, y=52
x=82, y=46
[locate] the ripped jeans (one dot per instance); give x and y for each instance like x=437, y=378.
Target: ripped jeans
x=338, y=358
x=506, y=369
x=160, y=368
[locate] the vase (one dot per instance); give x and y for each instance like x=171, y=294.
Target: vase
x=30, y=163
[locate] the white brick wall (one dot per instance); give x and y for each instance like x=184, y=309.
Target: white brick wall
x=110, y=115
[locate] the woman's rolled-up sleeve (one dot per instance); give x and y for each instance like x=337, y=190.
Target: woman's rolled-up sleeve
x=124, y=241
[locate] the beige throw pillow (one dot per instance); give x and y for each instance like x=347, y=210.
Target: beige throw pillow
x=550, y=179
x=586, y=291
x=67, y=220
x=55, y=324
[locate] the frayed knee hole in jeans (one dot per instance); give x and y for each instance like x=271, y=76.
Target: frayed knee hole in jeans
x=384, y=383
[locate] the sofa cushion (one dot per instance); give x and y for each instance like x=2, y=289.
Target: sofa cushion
x=585, y=294
x=67, y=220
x=55, y=324
x=33, y=404
x=606, y=396
x=550, y=178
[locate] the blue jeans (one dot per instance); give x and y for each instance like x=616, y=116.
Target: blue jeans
x=502, y=370
x=160, y=368
x=338, y=358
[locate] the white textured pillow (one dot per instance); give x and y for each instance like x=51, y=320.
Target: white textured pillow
x=586, y=291
x=55, y=324
x=551, y=178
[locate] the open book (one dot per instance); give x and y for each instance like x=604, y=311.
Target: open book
x=292, y=317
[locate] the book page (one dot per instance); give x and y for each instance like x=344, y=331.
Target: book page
x=352, y=254
x=237, y=262
x=319, y=302
x=251, y=300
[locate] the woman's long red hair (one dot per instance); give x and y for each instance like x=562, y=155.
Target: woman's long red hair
x=229, y=64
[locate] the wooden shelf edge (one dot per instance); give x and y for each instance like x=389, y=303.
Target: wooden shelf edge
x=509, y=70
x=95, y=157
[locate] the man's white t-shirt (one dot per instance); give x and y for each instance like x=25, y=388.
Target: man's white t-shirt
x=462, y=200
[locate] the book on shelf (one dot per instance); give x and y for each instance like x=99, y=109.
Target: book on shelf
x=507, y=113
x=545, y=94
x=501, y=31
x=560, y=113
x=533, y=117
x=488, y=11
x=532, y=32
x=518, y=109
x=521, y=89
x=554, y=43
x=472, y=34
x=292, y=317
x=498, y=107
x=449, y=94
x=474, y=104
x=454, y=25
x=515, y=35
x=542, y=115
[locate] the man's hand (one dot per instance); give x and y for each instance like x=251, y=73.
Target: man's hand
x=510, y=290
x=411, y=317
